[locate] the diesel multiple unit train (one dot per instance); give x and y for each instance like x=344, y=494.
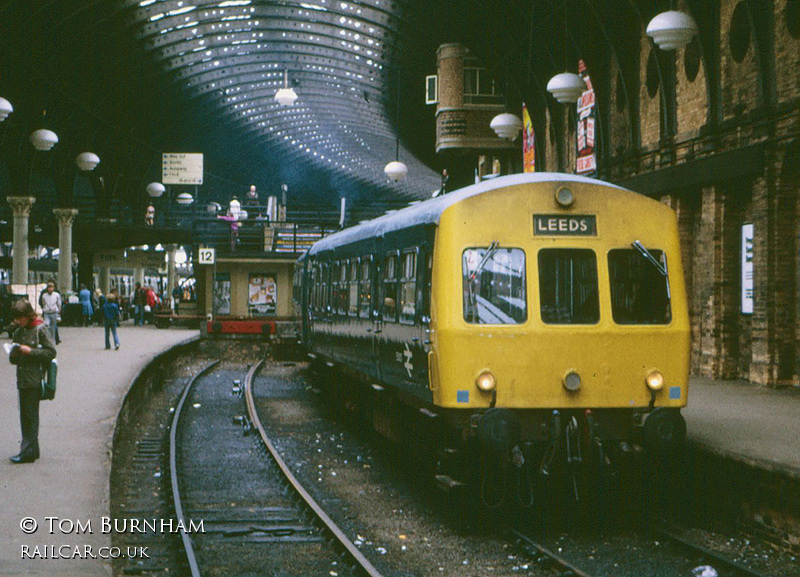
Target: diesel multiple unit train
x=532, y=322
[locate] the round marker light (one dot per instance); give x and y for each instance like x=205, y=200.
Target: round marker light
x=572, y=381
x=654, y=380
x=486, y=381
x=564, y=196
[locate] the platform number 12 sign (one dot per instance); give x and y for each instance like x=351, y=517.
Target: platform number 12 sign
x=207, y=255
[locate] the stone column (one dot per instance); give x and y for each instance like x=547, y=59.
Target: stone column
x=66, y=216
x=22, y=210
x=105, y=279
x=138, y=275
x=171, y=249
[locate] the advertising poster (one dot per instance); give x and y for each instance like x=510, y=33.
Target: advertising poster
x=585, y=159
x=222, y=293
x=262, y=294
x=528, y=142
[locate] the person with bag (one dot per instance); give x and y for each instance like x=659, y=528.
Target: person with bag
x=32, y=352
x=111, y=316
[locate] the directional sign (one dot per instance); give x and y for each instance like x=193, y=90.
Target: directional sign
x=181, y=168
x=207, y=256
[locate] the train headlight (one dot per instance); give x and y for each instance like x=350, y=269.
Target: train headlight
x=654, y=380
x=572, y=381
x=486, y=381
x=564, y=196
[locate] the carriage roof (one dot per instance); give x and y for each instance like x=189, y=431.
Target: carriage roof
x=429, y=211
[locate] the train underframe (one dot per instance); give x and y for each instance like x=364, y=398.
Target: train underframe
x=502, y=459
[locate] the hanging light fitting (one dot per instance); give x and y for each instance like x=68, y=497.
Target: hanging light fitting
x=506, y=125
x=5, y=109
x=155, y=189
x=285, y=96
x=672, y=30
x=566, y=87
x=87, y=161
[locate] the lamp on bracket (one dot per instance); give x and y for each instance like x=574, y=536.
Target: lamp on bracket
x=672, y=30
x=285, y=96
x=566, y=87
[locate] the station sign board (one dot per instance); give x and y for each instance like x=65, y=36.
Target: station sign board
x=206, y=256
x=182, y=168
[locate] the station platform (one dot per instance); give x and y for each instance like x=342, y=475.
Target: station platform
x=71, y=479
x=748, y=423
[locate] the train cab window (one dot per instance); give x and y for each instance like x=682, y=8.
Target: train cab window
x=639, y=288
x=568, y=286
x=364, y=289
x=389, y=296
x=352, y=308
x=408, y=284
x=494, y=286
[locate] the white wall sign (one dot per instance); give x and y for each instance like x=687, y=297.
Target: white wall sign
x=182, y=168
x=748, y=286
x=206, y=256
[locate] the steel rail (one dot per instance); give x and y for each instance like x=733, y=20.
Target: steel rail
x=361, y=561
x=188, y=547
x=530, y=543
x=716, y=558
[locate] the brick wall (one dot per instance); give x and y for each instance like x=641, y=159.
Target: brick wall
x=740, y=80
x=787, y=54
x=649, y=107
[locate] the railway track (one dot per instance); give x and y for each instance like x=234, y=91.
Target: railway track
x=359, y=564
x=277, y=527
x=684, y=550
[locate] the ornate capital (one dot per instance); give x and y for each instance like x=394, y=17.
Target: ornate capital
x=65, y=215
x=21, y=204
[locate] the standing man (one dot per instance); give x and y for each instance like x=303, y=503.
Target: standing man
x=139, y=301
x=177, y=293
x=51, y=303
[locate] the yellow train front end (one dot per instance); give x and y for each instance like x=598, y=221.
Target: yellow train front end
x=559, y=309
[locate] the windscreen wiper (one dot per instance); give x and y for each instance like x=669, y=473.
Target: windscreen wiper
x=489, y=252
x=649, y=257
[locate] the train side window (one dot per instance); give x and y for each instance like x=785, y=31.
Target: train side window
x=325, y=297
x=352, y=308
x=568, y=286
x=365, y=290
x=494, y=286
x=426, y=296
x=639, y=291
x=408, y=284
x=389, y=295
x=341, y=300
